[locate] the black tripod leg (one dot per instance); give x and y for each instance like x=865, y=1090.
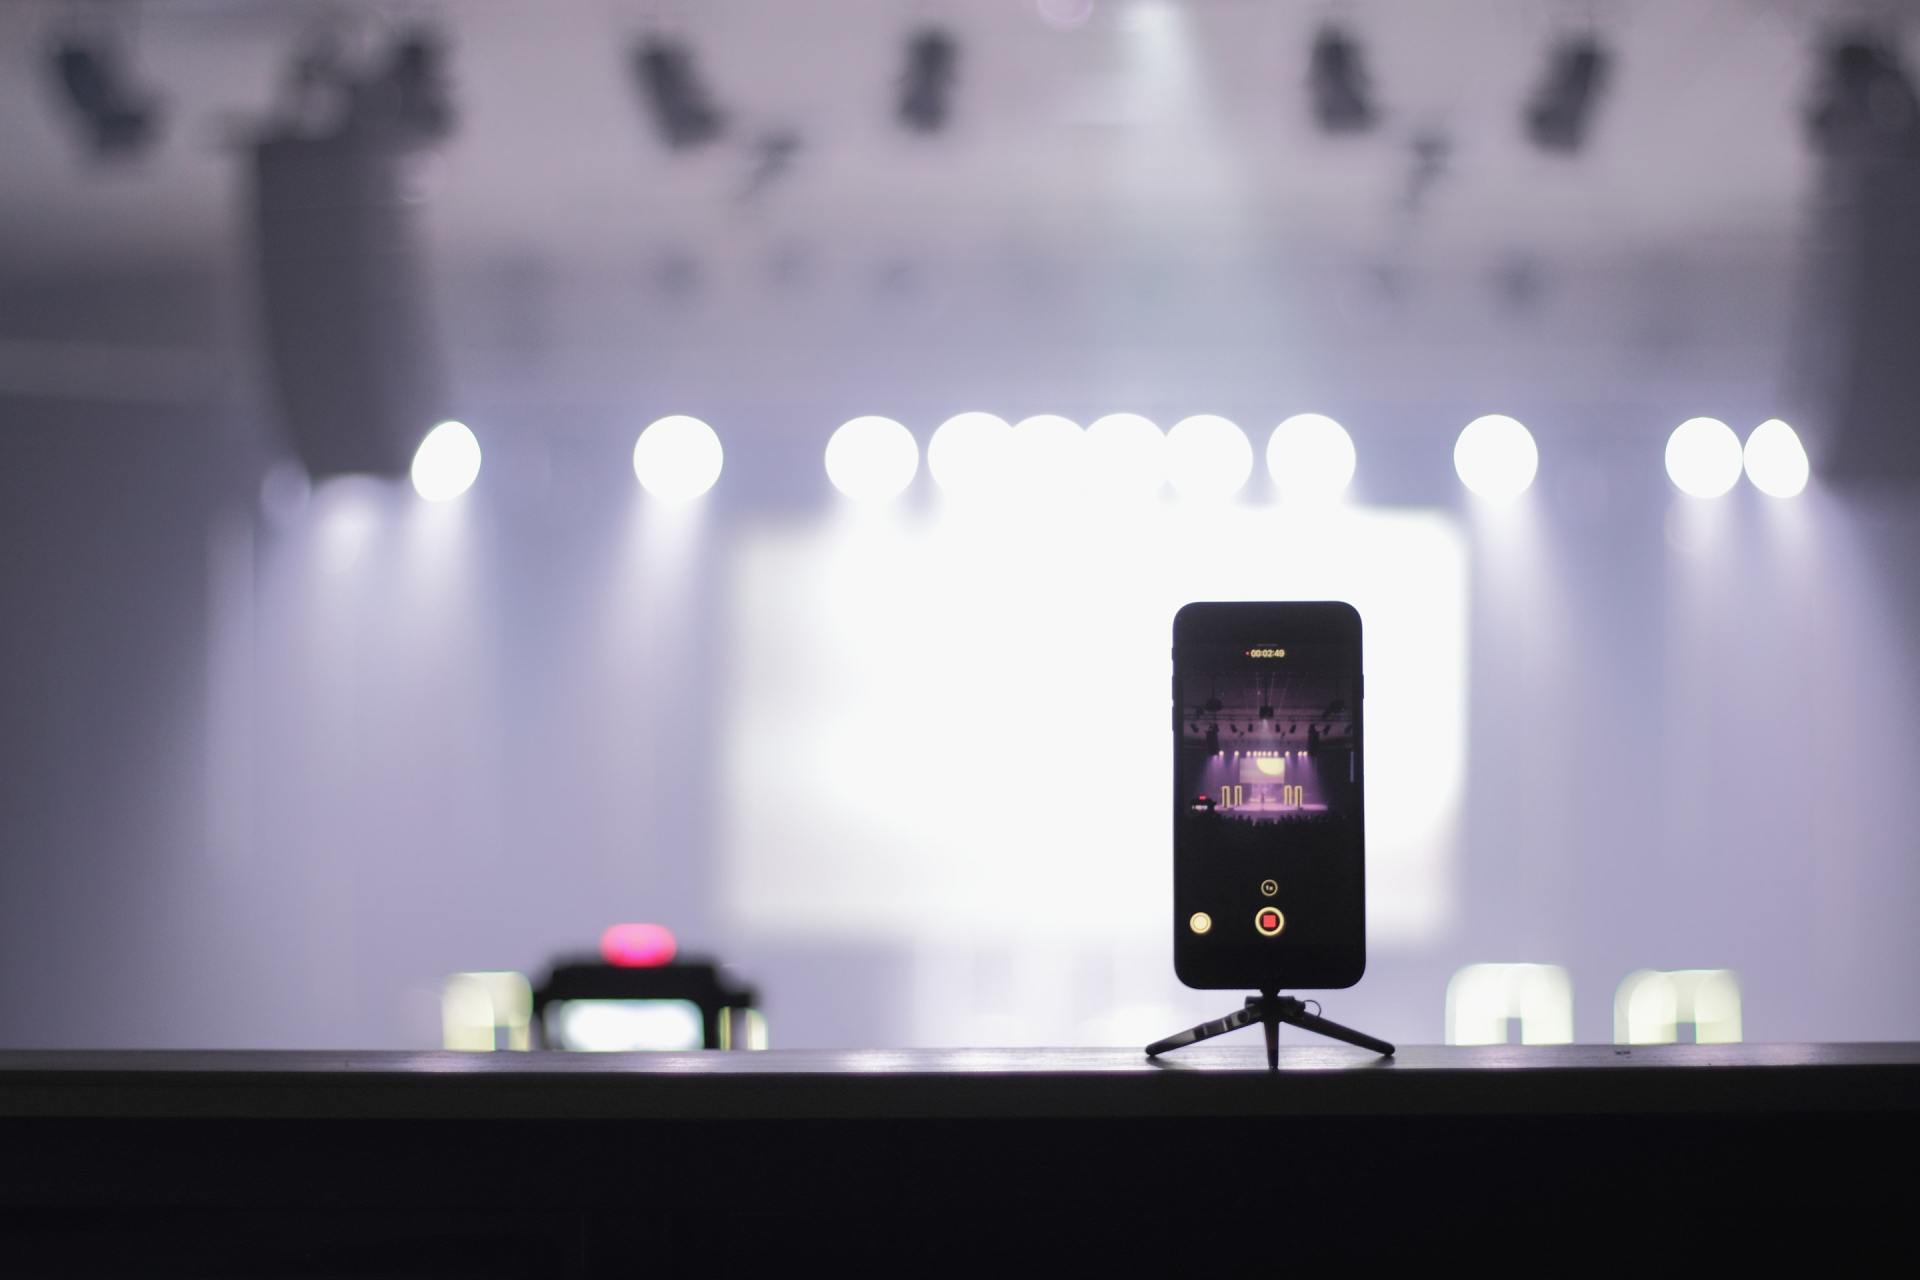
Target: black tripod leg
x=1270, y=1023
x=1205, y=1031
x=1334, y=1031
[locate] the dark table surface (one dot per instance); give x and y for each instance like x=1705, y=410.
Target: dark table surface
x=514, y=1164
x=1510, y=1080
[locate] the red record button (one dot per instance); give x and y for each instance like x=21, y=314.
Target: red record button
x=1269, y=922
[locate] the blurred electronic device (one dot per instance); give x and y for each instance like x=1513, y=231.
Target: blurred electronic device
x=1269, y=830
x=640, y=996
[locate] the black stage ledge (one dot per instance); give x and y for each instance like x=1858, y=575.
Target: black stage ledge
x=579, y=1164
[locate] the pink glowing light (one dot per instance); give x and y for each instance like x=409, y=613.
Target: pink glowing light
x=638, y=946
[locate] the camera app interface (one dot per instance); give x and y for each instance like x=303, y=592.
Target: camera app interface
x=1268, y=817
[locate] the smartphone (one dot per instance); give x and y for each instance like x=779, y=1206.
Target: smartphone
x=1269, y=819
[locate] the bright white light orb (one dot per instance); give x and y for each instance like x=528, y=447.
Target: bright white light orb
x=1775, y=460
x=1310, y=456
x=677, y=458
x=1703, y=457
x=872, y=459
x=1127, y=455
x=1208, y=457
x=1496, y=457
x=1065, y=15
x=970, y=453
x=1047, y=452
x=447, y=462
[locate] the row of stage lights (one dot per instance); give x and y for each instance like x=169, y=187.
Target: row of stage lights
x=1205, y=457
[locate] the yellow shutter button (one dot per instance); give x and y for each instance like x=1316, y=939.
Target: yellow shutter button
x=1269, y=921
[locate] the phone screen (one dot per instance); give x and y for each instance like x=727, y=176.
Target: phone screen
x=1269, y=822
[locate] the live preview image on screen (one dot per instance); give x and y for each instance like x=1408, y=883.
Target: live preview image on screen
x=1269, y=783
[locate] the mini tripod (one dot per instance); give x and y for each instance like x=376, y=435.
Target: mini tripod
x=1269, y=1009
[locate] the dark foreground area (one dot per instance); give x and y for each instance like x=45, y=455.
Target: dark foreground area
x=390, y=1164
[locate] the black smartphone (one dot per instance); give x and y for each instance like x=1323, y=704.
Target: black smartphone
x=1269, y=828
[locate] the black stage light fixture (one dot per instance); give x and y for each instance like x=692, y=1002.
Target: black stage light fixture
x=683, y=109
x=1266, y=713
x=1337, y=81
x=118, y=118
x=1857, y=384
x=345, y=305
x=415, y=79
x=1865, y=103
x=926, y=90
x=1560, y=114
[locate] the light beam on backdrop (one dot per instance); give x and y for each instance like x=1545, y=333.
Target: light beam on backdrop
x=677, y=458
x=1704, y=457
x=871, y=459
x=1495, y=457
x=1775, y=460
x=447, y=462
x=1208, y=458
x=348, y=515
x=1311, y=458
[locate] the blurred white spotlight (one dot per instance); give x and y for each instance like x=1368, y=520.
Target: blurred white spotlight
x=677, y=458
x=1047, y=451
x=1208, y=457
x=1496, y=458
x=1703, y=457
x=1483, y=999
x=1651, y=1006
x=447, y=462
x=1310, y=456
x=1128, y=455
x=1065, y=15
x=285, y=491
x=970, y=452
x=1775, y=460
x=872, y=459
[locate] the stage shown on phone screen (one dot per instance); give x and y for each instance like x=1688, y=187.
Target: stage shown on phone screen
x=1269, y=789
